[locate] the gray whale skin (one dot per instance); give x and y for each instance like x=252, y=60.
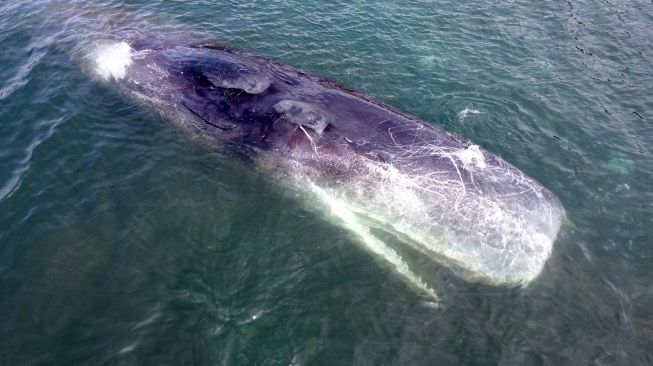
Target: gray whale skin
x=449, y=199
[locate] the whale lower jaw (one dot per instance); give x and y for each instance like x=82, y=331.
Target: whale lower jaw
x=346, y=217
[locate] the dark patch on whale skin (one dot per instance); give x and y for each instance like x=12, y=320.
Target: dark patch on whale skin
x=296, y=112
x=243, y=98
x=237, y=96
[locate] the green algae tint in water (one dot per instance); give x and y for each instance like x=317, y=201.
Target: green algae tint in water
x=125, y=241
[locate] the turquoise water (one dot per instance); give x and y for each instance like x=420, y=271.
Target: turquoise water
x=123, y=240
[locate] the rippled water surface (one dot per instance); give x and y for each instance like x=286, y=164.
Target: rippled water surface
x=123, y=240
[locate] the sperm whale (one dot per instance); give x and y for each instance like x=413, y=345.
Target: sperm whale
x=369, y=164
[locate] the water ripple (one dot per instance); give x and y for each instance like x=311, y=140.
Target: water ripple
x=23, y=165
x=123, y=240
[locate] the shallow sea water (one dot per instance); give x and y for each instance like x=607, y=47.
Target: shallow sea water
x=125, y=241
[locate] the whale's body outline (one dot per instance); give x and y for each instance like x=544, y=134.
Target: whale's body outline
x=447, y=197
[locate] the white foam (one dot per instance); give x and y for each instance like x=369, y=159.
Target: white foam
x=465, y=112
x=112, y=60
x=127, y=349
x=472, y=156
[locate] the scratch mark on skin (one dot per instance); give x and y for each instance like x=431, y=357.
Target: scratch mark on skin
x=309, y=138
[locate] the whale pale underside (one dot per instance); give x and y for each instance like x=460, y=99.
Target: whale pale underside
x=448, y=198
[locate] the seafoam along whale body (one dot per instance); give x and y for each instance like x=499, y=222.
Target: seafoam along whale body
x=370, y=163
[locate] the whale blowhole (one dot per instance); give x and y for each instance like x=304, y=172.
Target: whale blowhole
x=112, y=60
